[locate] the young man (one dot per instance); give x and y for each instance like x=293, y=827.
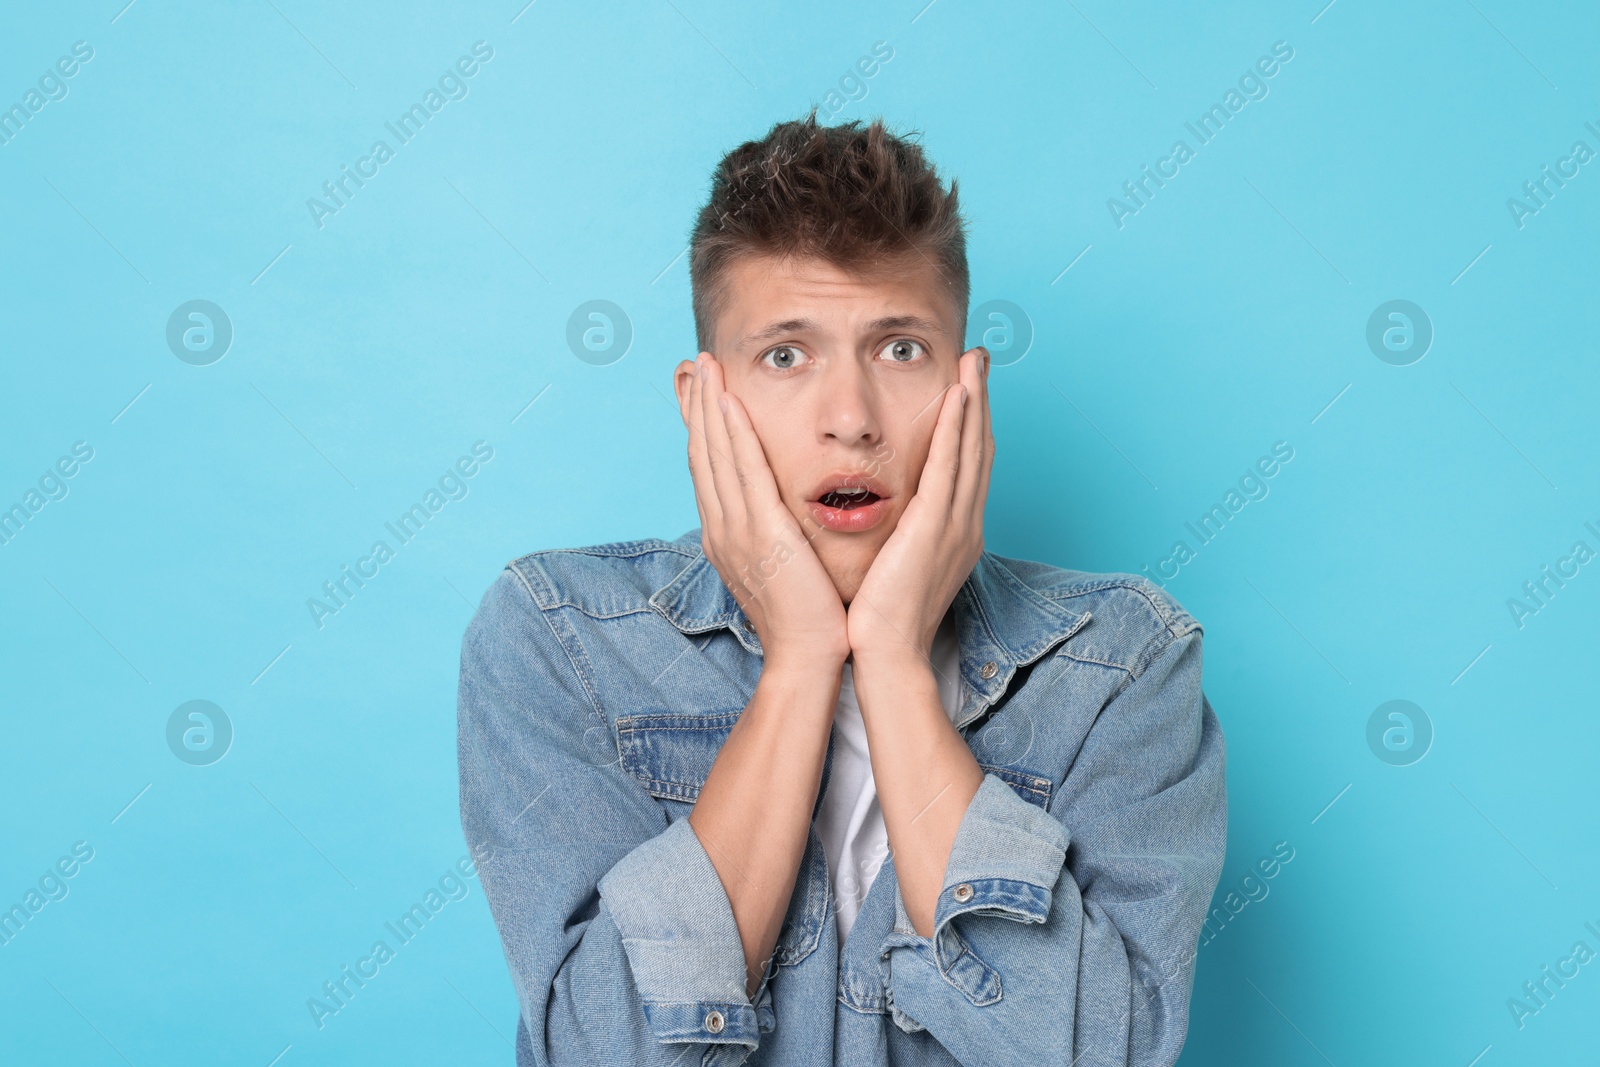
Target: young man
x=823, y=781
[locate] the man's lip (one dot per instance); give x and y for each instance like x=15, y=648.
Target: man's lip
x=849, y=480
x=855, y=520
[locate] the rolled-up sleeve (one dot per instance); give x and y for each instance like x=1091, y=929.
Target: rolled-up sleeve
x=1069, y=936
x=619, y=935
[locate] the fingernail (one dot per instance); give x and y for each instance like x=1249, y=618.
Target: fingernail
x=722, y=402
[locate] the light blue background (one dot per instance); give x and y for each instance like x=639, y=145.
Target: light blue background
x=1228, y=314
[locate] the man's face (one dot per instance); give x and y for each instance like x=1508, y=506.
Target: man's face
x=840, y=374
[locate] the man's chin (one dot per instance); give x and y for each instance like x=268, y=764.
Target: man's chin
x=847, y=569
x=847, y=556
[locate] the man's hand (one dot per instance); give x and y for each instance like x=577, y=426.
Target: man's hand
x=925, y=774
x=939, y=538
x=750, y=536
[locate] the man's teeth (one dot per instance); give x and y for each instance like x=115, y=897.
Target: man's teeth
x=846, y=498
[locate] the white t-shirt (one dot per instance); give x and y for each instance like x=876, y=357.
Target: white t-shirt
x=850, y=822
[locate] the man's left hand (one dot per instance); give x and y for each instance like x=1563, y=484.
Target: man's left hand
x=920, y=568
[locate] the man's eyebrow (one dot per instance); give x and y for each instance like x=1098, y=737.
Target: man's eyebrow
x=888, y=322
x=776, y=329
x=905, y=322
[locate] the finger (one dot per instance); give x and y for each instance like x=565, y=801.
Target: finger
x=937, y=483
x=761, y=488
x=974, y=433
x=730, y=494
x=689, y=404
x=988, y=441
x=705, y=490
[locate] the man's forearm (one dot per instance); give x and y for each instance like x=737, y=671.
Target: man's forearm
x=754, y=811
x=925, y=774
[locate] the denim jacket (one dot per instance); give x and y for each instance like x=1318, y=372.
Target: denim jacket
x=597, y=686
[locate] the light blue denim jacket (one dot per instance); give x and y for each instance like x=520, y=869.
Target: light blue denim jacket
x=597, y=685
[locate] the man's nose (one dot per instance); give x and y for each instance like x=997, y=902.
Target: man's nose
x=849, y=406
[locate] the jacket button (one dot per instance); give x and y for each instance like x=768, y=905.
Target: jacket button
x=749, y=626
x=964, y=892
x=714, y=1021
x=989, y=670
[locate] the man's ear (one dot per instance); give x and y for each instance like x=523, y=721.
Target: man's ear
x=683, y=385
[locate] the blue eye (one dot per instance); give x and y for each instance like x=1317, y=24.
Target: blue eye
x=788, y=357
x=905, y=350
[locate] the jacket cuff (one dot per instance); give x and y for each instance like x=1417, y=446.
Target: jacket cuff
x=1004, y=862
x=683, y=946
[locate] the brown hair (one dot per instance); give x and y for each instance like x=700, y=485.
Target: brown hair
x=853, y=195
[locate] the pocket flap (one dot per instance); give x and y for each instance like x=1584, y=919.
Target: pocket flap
x=672, y=754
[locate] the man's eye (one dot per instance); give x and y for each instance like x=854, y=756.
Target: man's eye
x=904, y=350
x=783, y=357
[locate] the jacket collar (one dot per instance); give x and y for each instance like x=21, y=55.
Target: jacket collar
x=1001, y=623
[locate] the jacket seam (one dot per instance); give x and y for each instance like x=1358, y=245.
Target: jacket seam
x=588, y=614
x=559, y=598
x=615, y=550
x=1176, y=623
x=1066, y=653
x=1146, y=656
x=1167, y=617
x=577, y=670
x=1154, y=652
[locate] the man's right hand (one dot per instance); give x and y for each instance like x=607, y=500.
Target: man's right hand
x=750, y=536
x=754, y=811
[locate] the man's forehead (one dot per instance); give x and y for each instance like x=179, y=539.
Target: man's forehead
x=769, y=297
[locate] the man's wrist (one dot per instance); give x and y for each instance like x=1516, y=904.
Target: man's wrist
x=898, y=662
x=797, y=669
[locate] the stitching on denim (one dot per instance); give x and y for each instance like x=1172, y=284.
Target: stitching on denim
x=630, y=726
x=551, y=596
x=615, y=549
x=1172, y=615
x=1042, y=790
x=621, y=613
x=1066, y=654
x=1148, y=657
x=1019, y=588
x=583, y=670
x=627, y=723
x=577, y=669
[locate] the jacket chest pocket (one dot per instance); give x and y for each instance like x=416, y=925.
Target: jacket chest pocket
x=670, y=754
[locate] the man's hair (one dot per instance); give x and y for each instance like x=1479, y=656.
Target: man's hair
x=862, y=198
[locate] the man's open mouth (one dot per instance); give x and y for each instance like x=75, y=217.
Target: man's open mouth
x=847, y=499
x=849, y=502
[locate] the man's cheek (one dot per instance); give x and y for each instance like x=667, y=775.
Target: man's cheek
x=881, y=460
x=914, y=458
